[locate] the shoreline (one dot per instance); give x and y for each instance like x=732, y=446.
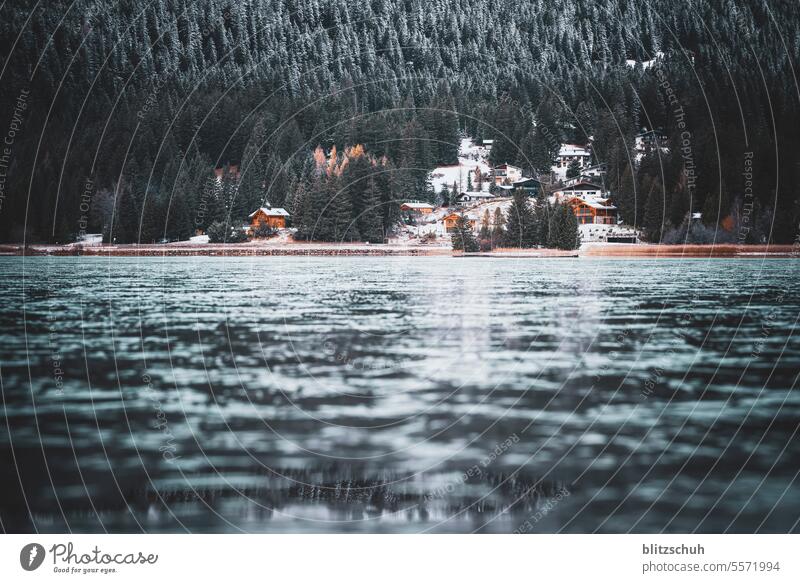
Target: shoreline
x=593, y=250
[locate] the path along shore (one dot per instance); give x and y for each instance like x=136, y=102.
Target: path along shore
x=356, y=249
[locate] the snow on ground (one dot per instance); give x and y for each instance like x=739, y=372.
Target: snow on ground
x=599, y=233
x=198, y=240
x=470, y=156
x=90, y=239
x=645, y=64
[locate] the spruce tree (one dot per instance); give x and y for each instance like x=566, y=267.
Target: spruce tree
x=568, y=231
x=369, y=222
x=574, y=169
x=485, y=232
x=462, y=237
x=520, y=221
x=654, y=213
x=498, y=228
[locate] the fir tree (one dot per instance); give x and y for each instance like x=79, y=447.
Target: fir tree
x=485, y=232
x=568, y=232
x=462, y=237
x=520, y=221
x=654, y=214
x=498, y=228
x=574, y=169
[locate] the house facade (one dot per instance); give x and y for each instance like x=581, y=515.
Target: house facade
x=592, y=212
x=417, y=208
x=473, y=196
x=274, y=217
x=583, y=189
x=451, y=219
x=506, y=173
x=569, y=153
x=530, y=185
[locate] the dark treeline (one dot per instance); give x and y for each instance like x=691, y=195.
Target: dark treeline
x=117, y=113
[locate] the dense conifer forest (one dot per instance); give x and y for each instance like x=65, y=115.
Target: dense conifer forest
x=115, y=114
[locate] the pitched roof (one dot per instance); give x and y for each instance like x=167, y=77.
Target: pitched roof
x=572, y=150
x=477, y=194
x=468, y=216
x=525, y=182
x=270, y=212
x=594, y=204
x=417, y=205
x=582, y=186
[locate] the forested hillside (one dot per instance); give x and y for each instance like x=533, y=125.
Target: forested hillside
x=123, y=109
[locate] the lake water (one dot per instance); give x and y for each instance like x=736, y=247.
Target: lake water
x=403, y=394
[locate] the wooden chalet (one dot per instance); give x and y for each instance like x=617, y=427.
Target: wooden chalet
x=275, y=217
x=593, y=212
x=451, y=219
x=417, y=208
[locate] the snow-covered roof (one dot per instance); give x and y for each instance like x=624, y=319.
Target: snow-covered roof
x=469, y=216
x=582, y=186
x=596, y=204
x=477, y=194
x=417, y=205
x=572, y=150
x=270, y=212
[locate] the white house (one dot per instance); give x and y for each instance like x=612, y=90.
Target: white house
x=569, y=153
x=507, y=172
x=474, y=196
x=583, y=189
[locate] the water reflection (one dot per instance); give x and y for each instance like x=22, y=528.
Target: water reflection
x=376, y=394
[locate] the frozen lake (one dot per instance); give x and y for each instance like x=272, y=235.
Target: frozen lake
x=399, y=394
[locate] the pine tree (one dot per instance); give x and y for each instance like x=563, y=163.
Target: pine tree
x=369, y=222
x=462, y=237
x=444, y=196
x=520, y=221
x=485, y=232
x=625, y=197
x=568, y=232
x=574, y=169
x=655, y=212
x=498, y=228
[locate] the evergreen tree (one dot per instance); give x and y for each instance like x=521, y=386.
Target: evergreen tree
x=566, y=229
x=485, y=232
x=462, y=237
x=574, y=169
x=520, y=221
x=655, y=213
x=369, y=222
x=499, y=235
x=444, y=196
